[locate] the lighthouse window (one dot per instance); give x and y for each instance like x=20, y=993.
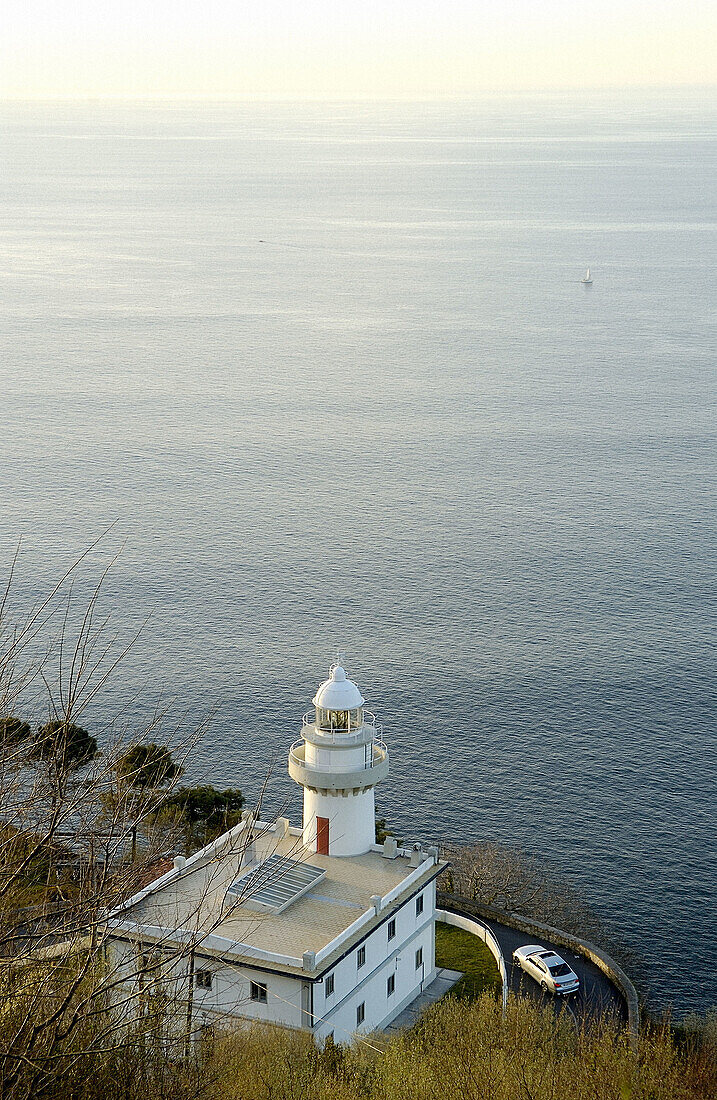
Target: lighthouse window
x=329, y=985
x=392, y=928
x=419, y=905
x=341, y=720
x=360, y=1014
x=390, y=985
x=360, y=958
x=419, y=958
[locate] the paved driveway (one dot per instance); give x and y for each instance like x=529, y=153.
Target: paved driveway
x=597, y=995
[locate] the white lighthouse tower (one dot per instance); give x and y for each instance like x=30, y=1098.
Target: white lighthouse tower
x=338, y=761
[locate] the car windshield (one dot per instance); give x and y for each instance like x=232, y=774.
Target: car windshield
x=559, y=969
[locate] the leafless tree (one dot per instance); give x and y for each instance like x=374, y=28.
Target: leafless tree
x=67, y=860
x=515, y=881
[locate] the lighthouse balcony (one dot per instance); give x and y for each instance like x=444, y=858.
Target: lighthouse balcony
x=327, y=777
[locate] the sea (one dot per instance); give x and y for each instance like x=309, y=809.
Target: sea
x=314, y=377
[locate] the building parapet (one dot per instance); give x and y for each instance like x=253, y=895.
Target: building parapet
x=407, y=882
x=352, y=929
x=369, y=915
x=210, y=941
x=193, y=862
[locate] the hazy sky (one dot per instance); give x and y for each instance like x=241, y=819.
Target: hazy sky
x=367, y=47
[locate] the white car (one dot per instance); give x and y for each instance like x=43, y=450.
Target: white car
x=550, y=971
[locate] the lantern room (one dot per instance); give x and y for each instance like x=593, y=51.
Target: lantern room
x=339, y=703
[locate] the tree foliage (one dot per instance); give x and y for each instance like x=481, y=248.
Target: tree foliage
x=383, y=831
x=63, y=744
x=63, y=857
x=515, y=881
x=202, y=812
x=147, y=766
x=468, y=1051
x=13, y=731
x=511, y=880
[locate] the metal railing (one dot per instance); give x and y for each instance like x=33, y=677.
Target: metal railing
x=345, y=734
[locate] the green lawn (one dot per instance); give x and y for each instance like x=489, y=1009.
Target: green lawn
x=459, y=950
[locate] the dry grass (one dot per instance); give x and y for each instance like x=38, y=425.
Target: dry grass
x=460, y=1050
x=468, y=1051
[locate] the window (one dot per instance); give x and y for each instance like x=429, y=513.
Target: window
x=258, y=992
x=390, y=985
x=360, y=1014
x=392, y=928
x=360, y=957
x=150, y=967
x=419, y=905
x=329, y=988
x=419, y=958
x=342, y=721
x=204, y=979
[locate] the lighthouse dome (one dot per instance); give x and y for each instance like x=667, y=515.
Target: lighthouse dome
x=338, y=692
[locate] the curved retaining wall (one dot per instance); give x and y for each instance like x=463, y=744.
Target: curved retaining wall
x=600, y=958
x=483, y=932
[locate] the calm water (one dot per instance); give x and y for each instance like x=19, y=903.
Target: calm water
x=331, y=370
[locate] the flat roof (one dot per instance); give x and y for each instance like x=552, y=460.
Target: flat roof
x=195, y=899
x=274, y=884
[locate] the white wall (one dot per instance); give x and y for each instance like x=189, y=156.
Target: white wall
x=352, y=821
x=338, y=757
x=368, y=985
x=230, y=997
x=165, y=973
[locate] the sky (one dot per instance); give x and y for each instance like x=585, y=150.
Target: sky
x=366, y=48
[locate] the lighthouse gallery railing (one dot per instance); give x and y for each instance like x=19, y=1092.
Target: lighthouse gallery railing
x=345, y=734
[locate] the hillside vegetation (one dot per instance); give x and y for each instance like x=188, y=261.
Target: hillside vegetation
x=460, y=1049
x=465, y=1050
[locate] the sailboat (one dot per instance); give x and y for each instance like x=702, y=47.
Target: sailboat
x=588, y=280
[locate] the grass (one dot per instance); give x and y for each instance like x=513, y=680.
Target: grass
x=459, y=950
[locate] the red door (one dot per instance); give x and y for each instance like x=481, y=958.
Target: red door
x=322, y=836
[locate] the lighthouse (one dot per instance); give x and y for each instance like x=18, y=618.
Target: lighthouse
x=338, y=761
x=312, y=926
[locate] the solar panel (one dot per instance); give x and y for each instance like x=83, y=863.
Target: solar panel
x=274, y=884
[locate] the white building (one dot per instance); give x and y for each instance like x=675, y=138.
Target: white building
x=318, y=927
